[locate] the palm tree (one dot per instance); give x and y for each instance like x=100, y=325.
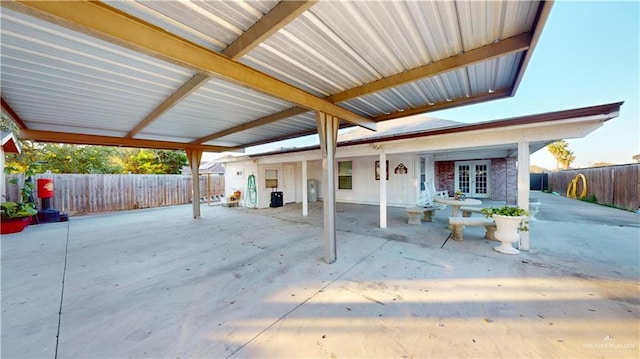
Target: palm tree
x=561, y=153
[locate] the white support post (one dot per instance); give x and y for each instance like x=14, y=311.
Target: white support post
x=523, y=188
x=305, y=189
x=383, y=189
x=194, y=157
x=328, y=132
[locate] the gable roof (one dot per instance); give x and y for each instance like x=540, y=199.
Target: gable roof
x=410, y=124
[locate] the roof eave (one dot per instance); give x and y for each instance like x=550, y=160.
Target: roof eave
x=609, y=110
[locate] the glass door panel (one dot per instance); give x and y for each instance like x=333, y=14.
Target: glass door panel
x=472, y=178
x=464, y=178
x=481, y=179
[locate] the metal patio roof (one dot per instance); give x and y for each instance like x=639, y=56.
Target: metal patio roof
x=223, y=75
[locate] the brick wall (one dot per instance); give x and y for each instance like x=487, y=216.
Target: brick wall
x=445, y=173
x=504, y=179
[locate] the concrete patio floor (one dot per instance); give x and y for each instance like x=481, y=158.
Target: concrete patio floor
x=241, y=283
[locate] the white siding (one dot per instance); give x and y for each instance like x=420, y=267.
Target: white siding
x=264, y=193
x=314, y=171
x=401, y=188
x=236, y=176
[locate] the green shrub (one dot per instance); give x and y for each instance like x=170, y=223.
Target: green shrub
x=589, y=198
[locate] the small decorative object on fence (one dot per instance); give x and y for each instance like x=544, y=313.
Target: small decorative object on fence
x=615, y=185
x=573, y=187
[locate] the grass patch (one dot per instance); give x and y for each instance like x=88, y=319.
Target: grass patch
x=592, y=199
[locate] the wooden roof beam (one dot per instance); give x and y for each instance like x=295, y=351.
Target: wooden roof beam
x=185, y=90
x=293, y=111
x=497, y=49
x=7, y=110
x=463, y=101
x=543, y=14
x=269, y=24
x=83, y=139
x=107, y=23
x=514, y=44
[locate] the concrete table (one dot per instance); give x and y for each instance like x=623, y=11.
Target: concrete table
x=456, y=204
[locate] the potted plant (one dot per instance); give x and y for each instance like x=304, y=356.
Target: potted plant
x=15, y=216
x=509, y=221
x=459, y=195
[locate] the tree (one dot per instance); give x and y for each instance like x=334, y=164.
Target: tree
x=145, y=161
x=29, y=150
x=561, y=153
x=63, y=158
x=537, y=169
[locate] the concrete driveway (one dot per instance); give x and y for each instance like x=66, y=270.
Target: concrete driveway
x=252, y=283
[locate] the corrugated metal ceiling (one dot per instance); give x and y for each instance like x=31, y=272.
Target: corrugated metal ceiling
x=55, y=78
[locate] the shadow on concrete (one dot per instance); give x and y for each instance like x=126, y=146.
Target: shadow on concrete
x=252, y=283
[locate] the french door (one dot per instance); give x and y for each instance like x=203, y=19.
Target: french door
x=472, y=178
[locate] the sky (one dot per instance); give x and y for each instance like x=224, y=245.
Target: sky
x=588, y=54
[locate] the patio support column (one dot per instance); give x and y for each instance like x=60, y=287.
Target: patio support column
x=383, y=189
x=305, y=195
x=194, y=157
x=523, y=187
x=328, y=132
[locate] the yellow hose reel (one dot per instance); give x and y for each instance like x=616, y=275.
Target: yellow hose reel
x=573, y=186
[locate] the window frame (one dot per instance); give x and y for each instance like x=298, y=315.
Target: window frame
x=270, y=180
x=345, y=175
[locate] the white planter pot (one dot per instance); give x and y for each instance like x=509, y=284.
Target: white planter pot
x=507, y=233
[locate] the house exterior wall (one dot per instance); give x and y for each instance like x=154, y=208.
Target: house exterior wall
x=402, y=187
x=443, y=148
x=445, y=173
x=237, y=175
x=503, y=184
x=264, y=192
x=314, y=172
x=504, y=179
x=512, y=181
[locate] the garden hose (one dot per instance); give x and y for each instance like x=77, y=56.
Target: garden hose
x=573, y=187
x=252, y=192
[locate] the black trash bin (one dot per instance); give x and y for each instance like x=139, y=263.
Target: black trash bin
x=276, y=199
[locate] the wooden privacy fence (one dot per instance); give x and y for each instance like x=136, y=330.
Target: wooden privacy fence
x=92, y=193
x=613, y=185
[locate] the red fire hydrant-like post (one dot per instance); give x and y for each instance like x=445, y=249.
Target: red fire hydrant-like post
x=45, y=192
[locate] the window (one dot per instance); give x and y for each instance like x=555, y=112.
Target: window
x=271, y=179
x=344, y=175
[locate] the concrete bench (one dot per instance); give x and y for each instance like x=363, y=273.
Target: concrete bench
x=466, y=211
x=417, y=214
x=457, y=225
